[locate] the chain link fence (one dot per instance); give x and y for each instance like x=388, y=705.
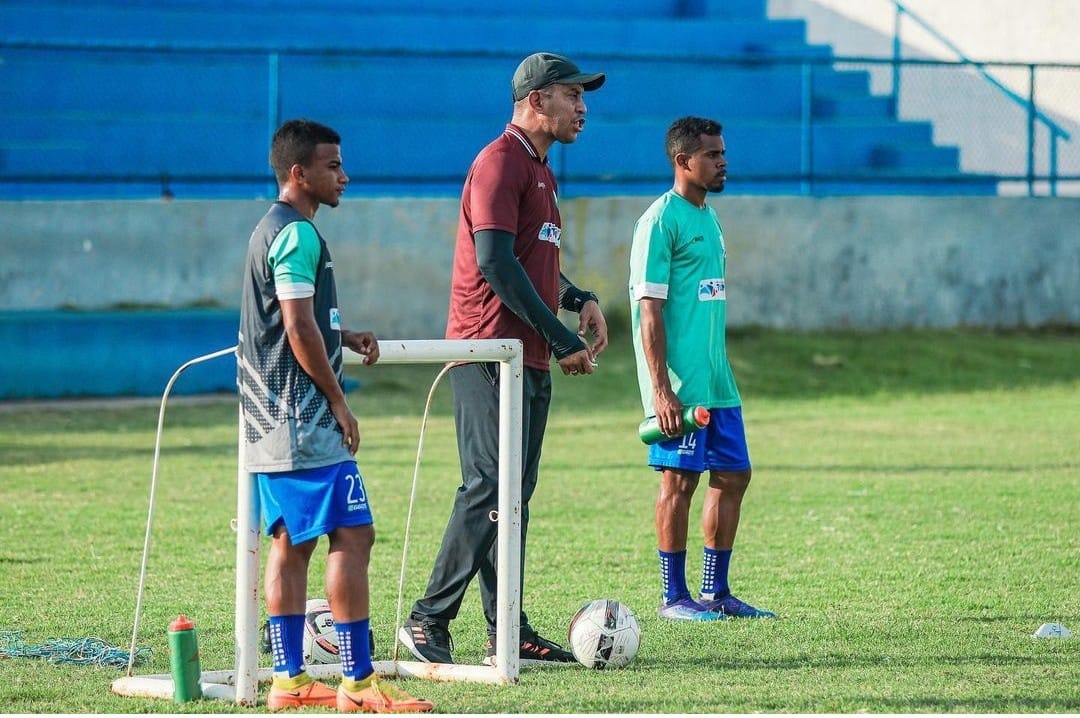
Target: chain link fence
x=1018, y=123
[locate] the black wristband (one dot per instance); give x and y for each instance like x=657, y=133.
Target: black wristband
x=577, y=301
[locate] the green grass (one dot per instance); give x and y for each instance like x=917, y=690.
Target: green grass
x=913, y=519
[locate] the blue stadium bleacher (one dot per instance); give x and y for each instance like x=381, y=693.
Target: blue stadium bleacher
x=123, y=99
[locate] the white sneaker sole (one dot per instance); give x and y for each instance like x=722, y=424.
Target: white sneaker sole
x=532, y=662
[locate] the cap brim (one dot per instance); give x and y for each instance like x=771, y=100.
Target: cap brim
x=590, y=81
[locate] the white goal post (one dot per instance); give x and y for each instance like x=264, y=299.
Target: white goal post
x=241, y=684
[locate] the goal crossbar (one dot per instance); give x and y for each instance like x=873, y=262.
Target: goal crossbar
x=241, y=684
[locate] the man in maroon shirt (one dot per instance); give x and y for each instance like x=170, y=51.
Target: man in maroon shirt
x=506, y=283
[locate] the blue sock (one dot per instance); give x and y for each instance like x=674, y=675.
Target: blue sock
x=714, y=573
x=354, y=649
x=673, y=575
x=287, y=644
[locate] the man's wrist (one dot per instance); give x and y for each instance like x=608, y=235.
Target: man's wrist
x=580, y=297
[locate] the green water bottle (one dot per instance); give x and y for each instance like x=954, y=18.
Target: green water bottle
x=693, y=418
x=184, y=660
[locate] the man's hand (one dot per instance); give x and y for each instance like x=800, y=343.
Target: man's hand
x=580, y=362
x=350, y=430
x=591, y=321
x=363, y=343
x=668, y=411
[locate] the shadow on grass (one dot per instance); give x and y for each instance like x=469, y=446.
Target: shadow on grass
x=20, y=560
x=768, y=363
x=1073, y=619
x=844, y=661
x=967, y=705
x=936, y=704
x=785, y=364
x=988, y=468
x=34, y=455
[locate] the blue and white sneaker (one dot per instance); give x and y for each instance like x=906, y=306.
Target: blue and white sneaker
x=687, y=609
x=731, y=607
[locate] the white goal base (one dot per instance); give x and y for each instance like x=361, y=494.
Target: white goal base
x=221, y=685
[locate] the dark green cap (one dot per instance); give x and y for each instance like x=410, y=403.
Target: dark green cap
x=544, y=68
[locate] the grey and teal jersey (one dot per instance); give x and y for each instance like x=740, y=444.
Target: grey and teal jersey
x=678, y=255
x=294, y=258
x=287, y=421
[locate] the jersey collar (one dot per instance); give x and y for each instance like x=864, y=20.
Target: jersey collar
x=517, y=133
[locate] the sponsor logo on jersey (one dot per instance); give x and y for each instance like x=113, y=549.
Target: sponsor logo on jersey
x=550, y=233
x=711, y=290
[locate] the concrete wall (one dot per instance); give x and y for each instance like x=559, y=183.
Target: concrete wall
x=794, y=262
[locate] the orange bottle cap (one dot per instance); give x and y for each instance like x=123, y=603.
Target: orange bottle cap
x=182, y=623
x=701, y=415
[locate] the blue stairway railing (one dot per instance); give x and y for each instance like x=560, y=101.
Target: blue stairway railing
x=1034, y=115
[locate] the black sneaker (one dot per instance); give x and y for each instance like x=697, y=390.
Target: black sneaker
x=534, y=650
x=428, y=640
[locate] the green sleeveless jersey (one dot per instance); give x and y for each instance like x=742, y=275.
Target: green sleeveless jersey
x=678, y=255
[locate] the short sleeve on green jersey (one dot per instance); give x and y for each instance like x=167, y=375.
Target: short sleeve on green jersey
x=294, y=259
x=650, y=259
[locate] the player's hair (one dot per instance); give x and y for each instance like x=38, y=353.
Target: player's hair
x=294, y=144
x=684, y=135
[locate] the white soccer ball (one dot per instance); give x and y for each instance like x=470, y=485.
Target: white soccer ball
x=320, y=636
x=604, y=634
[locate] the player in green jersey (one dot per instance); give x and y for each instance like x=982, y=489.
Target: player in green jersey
x=678, y=304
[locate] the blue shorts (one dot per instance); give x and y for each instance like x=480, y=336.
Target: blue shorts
x=719, y=446
x=314, y=502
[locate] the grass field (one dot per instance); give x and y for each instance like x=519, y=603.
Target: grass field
x=913, y=519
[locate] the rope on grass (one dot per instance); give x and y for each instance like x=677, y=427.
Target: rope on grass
x=77, y=651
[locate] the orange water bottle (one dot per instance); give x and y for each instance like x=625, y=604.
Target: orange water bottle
x=693, y=418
